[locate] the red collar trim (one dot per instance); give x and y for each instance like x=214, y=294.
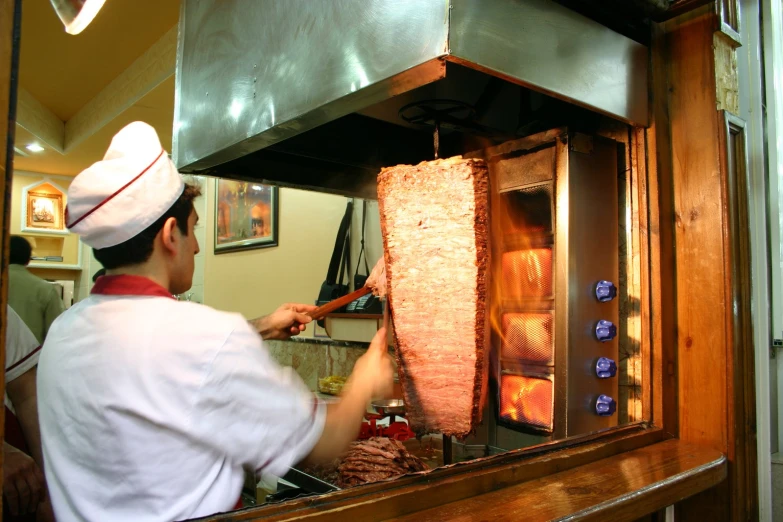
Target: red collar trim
x=129, y=285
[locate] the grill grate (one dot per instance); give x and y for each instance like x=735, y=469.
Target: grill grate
x=527, y=273
x=529, y=337
x=526, y=401
x=530, y=210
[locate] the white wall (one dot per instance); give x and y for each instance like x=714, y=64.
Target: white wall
x=255, y=282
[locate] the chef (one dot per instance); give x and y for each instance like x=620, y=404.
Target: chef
x=152, y=408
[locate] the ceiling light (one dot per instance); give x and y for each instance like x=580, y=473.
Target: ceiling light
x=34, y=147
x=76, y=15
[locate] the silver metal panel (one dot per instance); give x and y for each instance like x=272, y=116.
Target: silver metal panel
x=589, y=226
x=251, y=73
x=552, y=49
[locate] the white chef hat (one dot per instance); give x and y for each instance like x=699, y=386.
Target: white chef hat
x=120, y=196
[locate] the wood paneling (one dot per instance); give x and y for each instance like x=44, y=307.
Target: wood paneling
x=701, y=300
x=659, y=195
x=712, y=271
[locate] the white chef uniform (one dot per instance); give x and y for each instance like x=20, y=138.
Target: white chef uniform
x=151, y=408
x=22, y=349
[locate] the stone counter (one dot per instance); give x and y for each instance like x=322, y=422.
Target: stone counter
x=315, y=359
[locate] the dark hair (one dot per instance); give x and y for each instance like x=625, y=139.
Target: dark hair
x=138, y=249
x=99, y=273
x=21, y=251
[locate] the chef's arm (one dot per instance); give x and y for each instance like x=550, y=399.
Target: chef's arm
x=24, y=397
x=286, y=321
x=372, y=378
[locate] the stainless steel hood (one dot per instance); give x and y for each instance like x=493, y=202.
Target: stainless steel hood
x=305, y=93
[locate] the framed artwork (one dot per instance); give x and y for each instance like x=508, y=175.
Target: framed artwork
x=44, y=211
x=246, y=215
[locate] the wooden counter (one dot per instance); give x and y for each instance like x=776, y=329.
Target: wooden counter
x=620, y=488
x=624, y=479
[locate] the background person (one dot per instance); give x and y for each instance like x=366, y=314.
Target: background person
x=36, y=301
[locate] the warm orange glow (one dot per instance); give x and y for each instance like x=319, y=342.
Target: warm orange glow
x=528, y=337
x=522, y=271
x=526, y=400
x=527, y=273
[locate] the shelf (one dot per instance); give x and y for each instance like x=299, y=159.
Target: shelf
x=55, y=267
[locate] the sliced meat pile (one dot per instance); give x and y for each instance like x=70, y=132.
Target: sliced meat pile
x=376, y=459
x=434, y=219
x=326, y=471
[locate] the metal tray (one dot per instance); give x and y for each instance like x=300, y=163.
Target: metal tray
x=389, y=407
x=309, y=482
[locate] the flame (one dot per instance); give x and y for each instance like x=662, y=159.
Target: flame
x=527, y=273
x=526, y=400
x=520, y=269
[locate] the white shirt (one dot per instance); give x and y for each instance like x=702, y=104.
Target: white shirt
x=150, y=408
x=22, y=350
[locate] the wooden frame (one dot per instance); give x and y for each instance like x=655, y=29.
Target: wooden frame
x=739, y=323
x=31, y=196
x=44, y=212
x=729, y=20
x=410, y=494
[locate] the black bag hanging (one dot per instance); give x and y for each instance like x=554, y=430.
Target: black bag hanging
x=368, y=304
x=358, y=279
x=332, y=288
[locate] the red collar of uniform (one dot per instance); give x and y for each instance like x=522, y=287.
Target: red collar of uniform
x=129, y=285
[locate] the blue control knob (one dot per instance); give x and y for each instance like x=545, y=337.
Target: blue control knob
x=605, y=406
x=605, y=368
x=605, y=331
x=605, y=291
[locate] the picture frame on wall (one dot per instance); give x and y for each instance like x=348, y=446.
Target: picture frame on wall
x=246, y=215
x=44, y=212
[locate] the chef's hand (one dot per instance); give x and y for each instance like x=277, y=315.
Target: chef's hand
x=23, y=483
x=288, y=320
x=372, y=378
x=374, y=371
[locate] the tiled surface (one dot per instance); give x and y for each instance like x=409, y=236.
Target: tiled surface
x=314, y=361
x=777, y=492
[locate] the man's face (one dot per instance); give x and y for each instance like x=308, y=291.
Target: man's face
x=182, y=276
